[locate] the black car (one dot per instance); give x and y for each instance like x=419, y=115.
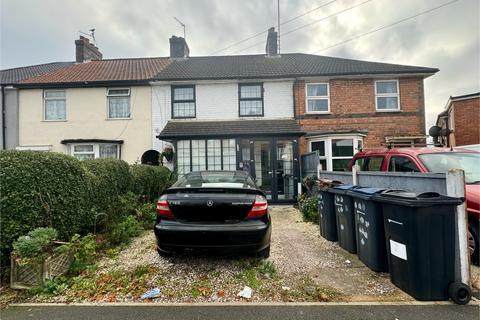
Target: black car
x=213, y=210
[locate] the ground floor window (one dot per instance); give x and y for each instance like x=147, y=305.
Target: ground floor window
x=335, y=152
x=211, y=154
x=95, y=150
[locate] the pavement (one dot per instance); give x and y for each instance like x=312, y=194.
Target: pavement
x=245, y=311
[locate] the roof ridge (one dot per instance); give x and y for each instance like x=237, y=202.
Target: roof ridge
x=139, y=58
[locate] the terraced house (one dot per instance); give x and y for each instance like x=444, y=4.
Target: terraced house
x=257, y=113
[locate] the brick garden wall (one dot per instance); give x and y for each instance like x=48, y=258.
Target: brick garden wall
x=352, y=107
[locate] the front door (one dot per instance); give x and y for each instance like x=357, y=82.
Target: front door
x=272, y=163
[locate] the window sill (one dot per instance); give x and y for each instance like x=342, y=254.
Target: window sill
x=54, y=120
x=110, y=119
x=180, y=118
x=317, y=112
x=386, y=110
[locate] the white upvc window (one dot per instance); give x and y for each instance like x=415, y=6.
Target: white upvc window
x=317, y=97
x=387, y=95
x=336, y=151
x=55, y=106
x=118, y=103
x=84, y=151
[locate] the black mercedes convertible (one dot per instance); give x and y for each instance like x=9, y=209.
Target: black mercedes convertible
x=213, y=210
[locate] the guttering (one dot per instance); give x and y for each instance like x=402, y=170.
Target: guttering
x=82, y=84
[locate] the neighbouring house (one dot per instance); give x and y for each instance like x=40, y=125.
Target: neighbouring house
x=258, y=113
x=9, y=98
x=95, y=108
x=459, y=123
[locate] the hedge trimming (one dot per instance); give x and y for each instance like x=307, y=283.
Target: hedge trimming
x=47, y=189
x=149, y=181
x=41, y=190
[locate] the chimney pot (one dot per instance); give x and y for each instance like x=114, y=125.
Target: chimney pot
x=179, y=48
x=271, y=49
x=86, y=51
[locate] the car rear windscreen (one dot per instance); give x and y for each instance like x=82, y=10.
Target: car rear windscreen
x=215, y=179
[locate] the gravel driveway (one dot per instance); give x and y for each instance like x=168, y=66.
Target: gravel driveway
x=302, y=267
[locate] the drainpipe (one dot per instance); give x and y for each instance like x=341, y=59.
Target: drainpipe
x=4, y=140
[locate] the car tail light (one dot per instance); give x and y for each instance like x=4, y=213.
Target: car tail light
x=259, y=208
x=163, y=210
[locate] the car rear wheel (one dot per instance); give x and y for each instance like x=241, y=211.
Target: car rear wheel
x=264, y=253
x=473, y=241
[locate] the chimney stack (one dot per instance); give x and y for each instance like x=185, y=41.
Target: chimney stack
x=271, y=49
x=178, y=48
x=86, y=51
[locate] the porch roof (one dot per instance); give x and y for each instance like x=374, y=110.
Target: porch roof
x=175, y=130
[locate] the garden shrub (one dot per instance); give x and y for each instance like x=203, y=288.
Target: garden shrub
x=109, y=178
x=35, y=243
x=41, y=189
x=308, y=206
x=122, y=232
x=150, y=181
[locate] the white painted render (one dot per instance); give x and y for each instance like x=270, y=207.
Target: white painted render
x=219, y=101
x=86, y=119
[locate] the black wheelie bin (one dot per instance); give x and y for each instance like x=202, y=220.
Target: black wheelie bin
x=420, y=240
x=326, y=211
x=345, y=217
x=369, y=228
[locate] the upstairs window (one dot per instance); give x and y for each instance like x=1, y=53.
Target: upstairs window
x=387, y=95
x=317, y=97
x=118, y=103
x=183, y=101
x=250, y=100
x=55, y=105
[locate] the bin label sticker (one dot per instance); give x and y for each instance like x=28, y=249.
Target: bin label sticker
x=393, y=221
x=398, y=249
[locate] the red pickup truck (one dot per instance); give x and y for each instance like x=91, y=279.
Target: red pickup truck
x=432, y=160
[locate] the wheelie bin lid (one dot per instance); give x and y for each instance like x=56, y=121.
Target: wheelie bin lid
x=342, y=189
x=364, y=193
x=410, y=199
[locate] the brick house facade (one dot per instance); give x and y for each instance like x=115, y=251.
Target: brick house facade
x=353, y=110
x=462, y=117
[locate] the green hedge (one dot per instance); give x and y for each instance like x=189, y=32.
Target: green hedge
x=49, y=189
x=109, y=178
x=41, y=190
x=149, y=181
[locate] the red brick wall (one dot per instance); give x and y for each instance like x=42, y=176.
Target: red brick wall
x=352, y=107
x=466, y=117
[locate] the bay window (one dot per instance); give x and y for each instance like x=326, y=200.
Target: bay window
x=85, y=151
x=387, y=96
x=335, y=152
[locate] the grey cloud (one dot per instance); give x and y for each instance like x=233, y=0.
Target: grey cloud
x=34, y=32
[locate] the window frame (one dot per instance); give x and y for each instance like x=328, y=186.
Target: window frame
x=129, y=95
x=173, y=101
x=387, y=95
x=205, y=140
x=307, y=97
x=45, y=99
x=96, y=149
x=240, y=99
x=357, y=140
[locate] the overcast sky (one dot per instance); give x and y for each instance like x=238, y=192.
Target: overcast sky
x=34, y=32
